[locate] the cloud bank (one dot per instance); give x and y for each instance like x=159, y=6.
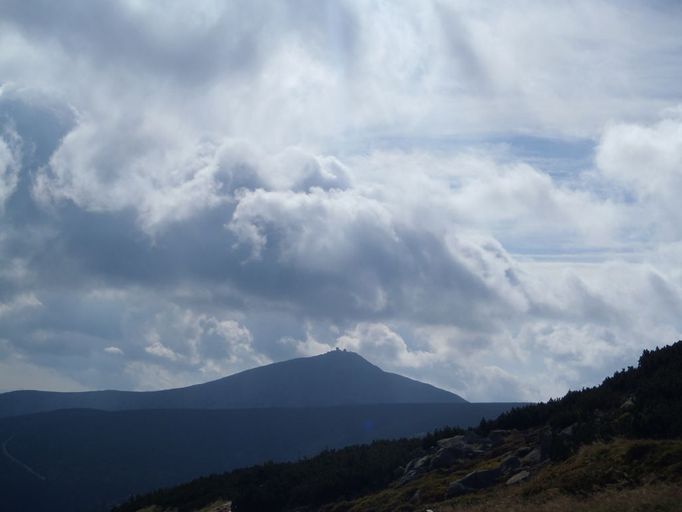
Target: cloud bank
x=481, y=197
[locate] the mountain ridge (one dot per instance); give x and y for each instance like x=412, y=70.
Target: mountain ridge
x=335, y=378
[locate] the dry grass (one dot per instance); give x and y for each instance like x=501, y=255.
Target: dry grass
x=624, y=475
x=654, y=498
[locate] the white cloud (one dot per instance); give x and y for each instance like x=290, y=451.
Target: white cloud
x=114, y=351
x=646, y=161
x=159, y=349
x=18, y=303
x=9, y=166
x=412, y=181
x=112, y=165
x=380, y=343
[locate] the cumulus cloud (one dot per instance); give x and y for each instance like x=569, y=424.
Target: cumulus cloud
x=479, y=196
x=645, y=161
x=9, y=166
x=381, y=343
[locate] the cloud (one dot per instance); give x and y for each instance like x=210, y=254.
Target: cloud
x=24, y=375
x=645, y=161
x=9, y=166
x=479, y=196
x=18, y=303
x=381, y=343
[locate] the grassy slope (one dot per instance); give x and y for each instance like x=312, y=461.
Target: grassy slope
x=648, y=472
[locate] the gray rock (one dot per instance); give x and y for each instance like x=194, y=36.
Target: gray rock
x=498, y=436
x=518, y=477
x=533, y=457
x=457, y=489
x=471, y=437
x=481, y=479
x=446, y=457
x=628, y=405
x=460, y=448
x=510, y=464
x=485, y=442
x=418, y=464
x=523, y=451
x=451, y=441
x=414, y=469
x=408, y=477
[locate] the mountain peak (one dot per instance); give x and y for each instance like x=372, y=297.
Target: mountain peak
x=340, y=354
x=335, y=378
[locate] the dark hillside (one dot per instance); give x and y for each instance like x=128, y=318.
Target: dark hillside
x=641, y=401
x=92, y=459
x=613, y=447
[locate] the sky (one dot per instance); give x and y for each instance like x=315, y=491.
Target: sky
x=480, y=195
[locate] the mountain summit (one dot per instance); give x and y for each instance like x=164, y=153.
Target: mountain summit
x=335, y=378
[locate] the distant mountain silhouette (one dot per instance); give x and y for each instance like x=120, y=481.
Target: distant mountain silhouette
x=332, y=379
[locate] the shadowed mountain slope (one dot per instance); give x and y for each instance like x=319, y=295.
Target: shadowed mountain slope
x=88, y=460
x=334, y=378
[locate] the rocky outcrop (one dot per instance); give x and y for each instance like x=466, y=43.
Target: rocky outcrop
x=514, y=466
x=533, y=457
x=474, y=481
x=446, y=457
x=510, y=463
x=482, y=478
x=519, y=477
x=414, y=469
x=450, y=452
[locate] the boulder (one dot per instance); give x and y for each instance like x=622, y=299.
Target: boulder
x=408, y=477
x=459, y=447
x=451, y=441
x=485, y=442
x=419, y=464
x=481, y=479
x=518, y=477
x=498, y=436
x=523, y=451
x=629, y=404
x=446, y=457
x=475, y=480
x=510, y=463
x=414, y=469
x=471, y=437
x=457, y=489
x=533, y=457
